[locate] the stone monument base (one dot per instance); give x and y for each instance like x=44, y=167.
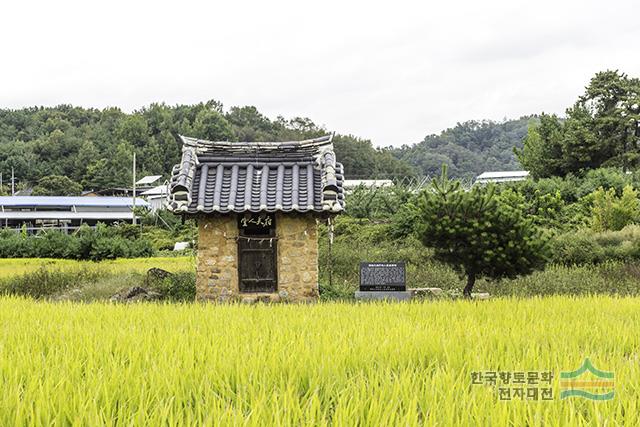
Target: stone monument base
x=384, y=295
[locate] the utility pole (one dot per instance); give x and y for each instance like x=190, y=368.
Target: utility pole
x=330, y=259
x=133, y=209
x=13, y=185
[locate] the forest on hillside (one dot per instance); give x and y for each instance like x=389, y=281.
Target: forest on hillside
x=75, y=148
x=469, y=148
x=70, y=149
x=78, y=148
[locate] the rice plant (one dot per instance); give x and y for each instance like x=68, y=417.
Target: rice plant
x=329, y=363
x=17, y=266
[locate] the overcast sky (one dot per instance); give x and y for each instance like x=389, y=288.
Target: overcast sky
x=390, y=71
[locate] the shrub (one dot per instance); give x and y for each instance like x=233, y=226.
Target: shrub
x=180, y=286
x=576, y=248
x=588, y=247
x=127, y=231
x=44, y=282
x=614, y=213
x=609, y=277
x=336, y=291
x=86, y=244
x=159, y=238
x=108, y=248
x=544, y=209
x=602, y=177
x=381, y=202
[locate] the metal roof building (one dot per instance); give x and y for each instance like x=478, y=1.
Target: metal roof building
x=41, y=211
x=156, y=197
x=367, y=183
x=503, y=176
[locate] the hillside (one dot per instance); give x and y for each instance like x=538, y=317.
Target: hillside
x=468, y=148
x=94, y=147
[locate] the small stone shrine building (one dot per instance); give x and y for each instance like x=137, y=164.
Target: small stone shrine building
x=257, y=205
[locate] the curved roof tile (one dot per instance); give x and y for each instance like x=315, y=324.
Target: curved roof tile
x=223, y=176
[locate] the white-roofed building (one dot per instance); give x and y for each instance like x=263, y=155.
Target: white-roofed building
x=156, y=197
x=351, y=184
x=65, y=212
x=502, y=176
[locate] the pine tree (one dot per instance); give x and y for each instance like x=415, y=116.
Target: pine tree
x=476, y=234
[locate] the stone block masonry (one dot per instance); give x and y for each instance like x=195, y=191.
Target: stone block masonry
x=297, y=259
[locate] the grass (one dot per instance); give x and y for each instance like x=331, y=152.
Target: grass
x=614, y=278
x=17, y=266
x=329, y=363
x=88, y=281
x=610, y=278
x=85, y=280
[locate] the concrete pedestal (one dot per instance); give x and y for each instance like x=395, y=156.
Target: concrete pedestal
x=376, y=295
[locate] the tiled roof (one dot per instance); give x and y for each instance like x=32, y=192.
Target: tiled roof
x=300, y=176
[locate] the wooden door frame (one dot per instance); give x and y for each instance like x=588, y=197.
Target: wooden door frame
x=274, y=253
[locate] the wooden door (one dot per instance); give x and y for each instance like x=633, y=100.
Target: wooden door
x=257, y=254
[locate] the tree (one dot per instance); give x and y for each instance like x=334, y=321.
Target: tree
x=475, y=234
x=86, y=145
x=57, y=185
x=361, y=160
x=249, y=125
x=115, y=171
x=133, y=130
x=601, y=129
x=151, y=161
x=169, y=149
x=86, y=155
x=543, y=141
x=614, y=213
x=379, y=203
x=211, y=125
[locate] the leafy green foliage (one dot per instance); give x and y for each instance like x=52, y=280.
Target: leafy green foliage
x=543, y=209
x=469, y=148
x=614, y=213
x=586, y=246
x=380, y=203
x=607, y=278
x=360, y=239
x=601, y=129
x=180, y=286
x=95, y=147
x=163, y=229
x=56, y=185
x=86, y=243
x=46, y=282
x=361, y=160
x=542, y=141
x=565, y=203
x=476, y=234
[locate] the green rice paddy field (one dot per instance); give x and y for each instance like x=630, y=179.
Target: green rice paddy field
x=16, y=266
x=329, y=363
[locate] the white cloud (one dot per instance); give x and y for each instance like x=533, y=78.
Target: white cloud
x=389, y=71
